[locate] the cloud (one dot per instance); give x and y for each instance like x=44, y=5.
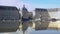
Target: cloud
x=11, y=2
x=17, y=3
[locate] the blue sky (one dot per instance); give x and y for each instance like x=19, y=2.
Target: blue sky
x=44, y=3
x=31, y=4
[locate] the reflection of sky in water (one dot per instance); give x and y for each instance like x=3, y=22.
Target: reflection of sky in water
x=32, y=31
x=46, y=32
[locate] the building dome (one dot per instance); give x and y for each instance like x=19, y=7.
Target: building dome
x=24, y=9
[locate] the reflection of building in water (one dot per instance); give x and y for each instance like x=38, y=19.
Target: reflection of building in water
x=9, y=18
x=42, y=17
x=45, y=19
x=24, y=26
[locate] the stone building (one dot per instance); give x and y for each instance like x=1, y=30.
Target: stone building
x=30, y=15
x=9, y=18
x=54, y=13
x=41, y=14
x=24, y=12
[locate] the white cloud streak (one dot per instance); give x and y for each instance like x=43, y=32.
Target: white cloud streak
x=11, y=2
x=17, y=3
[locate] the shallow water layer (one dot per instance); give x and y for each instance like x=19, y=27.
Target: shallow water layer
x=33, y=31
x=28, y=28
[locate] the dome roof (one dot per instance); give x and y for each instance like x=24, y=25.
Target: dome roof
x=24, y=8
